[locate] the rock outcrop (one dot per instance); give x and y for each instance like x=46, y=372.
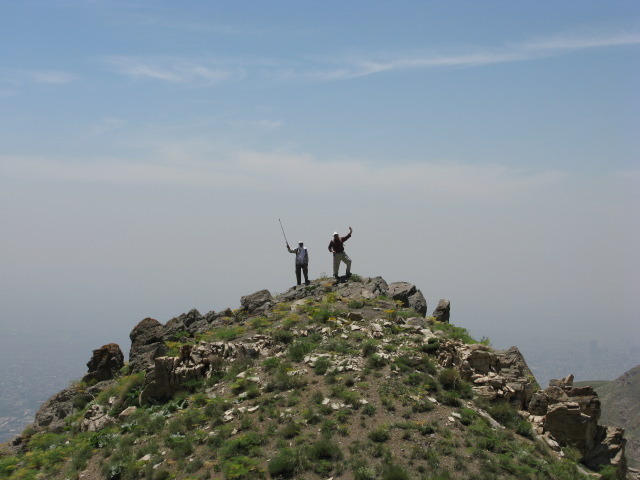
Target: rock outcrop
x=146, y=344
x=256, y=301
x=172, y=374
x=53, y=413
x=568, y=416
x=105, y=362
x=409, y=295
x=496, y=375
x=442, y=311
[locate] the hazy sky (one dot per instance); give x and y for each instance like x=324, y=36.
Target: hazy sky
x=485, y=151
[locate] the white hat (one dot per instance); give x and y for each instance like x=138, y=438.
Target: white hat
x=300, y=242
x=335, y=233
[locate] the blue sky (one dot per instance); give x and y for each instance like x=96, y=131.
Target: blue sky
x=485, y=151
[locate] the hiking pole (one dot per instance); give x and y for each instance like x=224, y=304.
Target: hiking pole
x=285, y=237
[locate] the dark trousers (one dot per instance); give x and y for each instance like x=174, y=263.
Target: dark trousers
x=304, y=269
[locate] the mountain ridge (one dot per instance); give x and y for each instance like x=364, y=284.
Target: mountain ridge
x=264, y=390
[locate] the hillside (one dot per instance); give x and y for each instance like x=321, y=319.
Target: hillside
x=342, y=381
x=621, y=407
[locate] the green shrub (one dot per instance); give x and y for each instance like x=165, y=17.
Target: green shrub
x=325, y=449
x=271, y=363
x=369, y=410
x=287, y=463
x=322, y=365
x=468, y=415
x=283, y=336
x=451, y=399
x=8, y=465
x=290, y=430
x=449, y=378
x=394, y=472
x=608, y=472
x=380, y=434
x=369, y=347
x=242, y=468
x=376, y=361
x=244, y=444
x=432, y=346
x=298, y=349
x=364, y=472
x=505, y=414
x=227, y=334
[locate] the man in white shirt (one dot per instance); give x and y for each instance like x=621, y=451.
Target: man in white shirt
x=302, y=262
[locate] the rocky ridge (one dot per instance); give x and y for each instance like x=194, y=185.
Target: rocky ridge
x=361, y=332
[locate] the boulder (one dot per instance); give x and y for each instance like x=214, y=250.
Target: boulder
x=418, y=303
x=409, y=295
x=256, y=301
x=442, y=311
x=147, y=343
x=105, y=362
x=401, y=291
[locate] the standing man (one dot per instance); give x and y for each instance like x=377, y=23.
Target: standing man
x=336, y=246
x=302, y=262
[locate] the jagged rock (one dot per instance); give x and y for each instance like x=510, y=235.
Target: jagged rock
x=570, y=416
x=609, y=449
x=96, y=419
x=256, y=301
x=171, y=374
x=409, y=295
x=147, y=343
x=569, y=426
x=418, y=303
x=496, y=374
x=442, y=311
x=104, y=363
x=541, y=400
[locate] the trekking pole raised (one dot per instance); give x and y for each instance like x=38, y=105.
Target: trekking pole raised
x=285, y=237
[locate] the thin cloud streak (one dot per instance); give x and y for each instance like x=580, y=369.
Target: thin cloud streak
x=172, y=70
x=186, y=70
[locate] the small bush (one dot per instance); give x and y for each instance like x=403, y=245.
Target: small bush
x=394, y=472
x=369, y=347
x=369, y=410
x=380, y=434
x=325, y=449
x=283, y=336
x=376, y=361
x=290, y=430
x=322, y=365
x=287, y=463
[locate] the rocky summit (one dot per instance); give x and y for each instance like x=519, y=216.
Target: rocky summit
x=348, y=380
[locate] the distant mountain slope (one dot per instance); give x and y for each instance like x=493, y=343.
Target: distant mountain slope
x=621, y=407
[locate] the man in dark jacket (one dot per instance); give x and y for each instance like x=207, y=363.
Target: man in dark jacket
x=336, y=246
x=302, y=262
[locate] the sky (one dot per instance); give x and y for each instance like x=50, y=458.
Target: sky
x=486, y=152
